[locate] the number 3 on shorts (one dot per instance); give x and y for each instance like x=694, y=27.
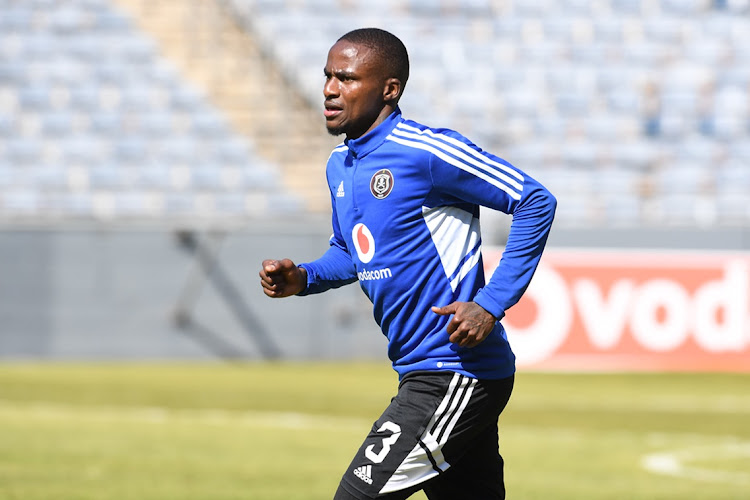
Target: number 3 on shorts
x=387, y=442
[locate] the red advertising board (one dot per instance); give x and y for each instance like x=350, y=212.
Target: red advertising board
x=637, y=310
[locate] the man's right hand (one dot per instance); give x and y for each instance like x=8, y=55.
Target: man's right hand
x=282, y=278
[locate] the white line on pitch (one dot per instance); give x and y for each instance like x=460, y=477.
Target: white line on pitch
x=159, y=415
x=676, y=462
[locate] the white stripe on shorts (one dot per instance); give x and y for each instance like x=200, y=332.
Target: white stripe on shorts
x=426, y=459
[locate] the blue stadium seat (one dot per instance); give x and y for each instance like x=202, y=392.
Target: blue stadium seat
x=209, y=124
x=85, y=47
x=7, y=175
x=151, y=175
x=71, y=204
x=85, y=98
x=141, y=97
x=22, y=150
x=733, y=209
x=68, y=19
x=8, y=124
x=233, y=151
x=627, y=6
x=178, y=149
x=185, y=98
x=177, y=203
x=110, y=21
x=106, y=176
x=58, y=123
x=259, y=176
x=131, y=149
x=130, y=203
x=112, y=71
x=231, y=203
x=49, y=176
x=105, y=123
x=15, y=19
x=622, y=210
x=132, y=49
x=205, y=177
x=84, y=149
x=34, y=97
x=734, y=177
x=154, y=123
x=20, y=201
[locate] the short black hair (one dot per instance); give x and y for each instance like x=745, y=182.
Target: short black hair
x=388, y=47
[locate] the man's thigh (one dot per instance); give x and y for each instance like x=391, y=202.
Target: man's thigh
x=477, y=475
x=434, y=419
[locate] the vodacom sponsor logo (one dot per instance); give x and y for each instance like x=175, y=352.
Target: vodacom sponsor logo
x=364, y=243
x=634, y=310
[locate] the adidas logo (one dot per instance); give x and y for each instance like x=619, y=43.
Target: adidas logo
x=340, y=191
x=364, y=473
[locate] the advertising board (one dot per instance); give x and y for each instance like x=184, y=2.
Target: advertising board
x=604, y=310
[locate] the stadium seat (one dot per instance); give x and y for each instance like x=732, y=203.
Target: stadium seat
x=8, y=124
x=15, y=18
x=151, y=176
x=49, y=176
x=209, y=124
x=106, y=176
x=231, y=203
x=153, y=123
x=7, y=176
x=22, y=150
x=21, y=201
x=57, y=124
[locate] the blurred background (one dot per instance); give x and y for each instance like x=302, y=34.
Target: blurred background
x=153, y=152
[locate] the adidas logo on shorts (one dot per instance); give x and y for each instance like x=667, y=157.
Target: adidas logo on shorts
x=364, y=473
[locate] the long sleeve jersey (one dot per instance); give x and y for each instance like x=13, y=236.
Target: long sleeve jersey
x=405, y=201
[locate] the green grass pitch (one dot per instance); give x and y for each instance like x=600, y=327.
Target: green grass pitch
x=268, y=431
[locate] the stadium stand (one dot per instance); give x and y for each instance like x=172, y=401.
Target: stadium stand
x=634, y=112
x=631, y=110
x=97, y=125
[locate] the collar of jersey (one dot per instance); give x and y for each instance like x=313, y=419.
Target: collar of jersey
x=369, y=142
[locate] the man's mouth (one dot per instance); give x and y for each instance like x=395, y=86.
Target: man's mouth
x=331, y=110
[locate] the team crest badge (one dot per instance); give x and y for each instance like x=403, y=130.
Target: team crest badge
x=381, y=183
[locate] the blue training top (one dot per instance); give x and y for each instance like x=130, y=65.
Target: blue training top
x=405, y=201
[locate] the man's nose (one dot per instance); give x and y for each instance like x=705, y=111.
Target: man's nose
x=330, y=88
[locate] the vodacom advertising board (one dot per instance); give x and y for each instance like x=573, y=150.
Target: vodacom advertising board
x=639, y=310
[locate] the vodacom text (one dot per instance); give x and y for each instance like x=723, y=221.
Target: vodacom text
x=670, y=310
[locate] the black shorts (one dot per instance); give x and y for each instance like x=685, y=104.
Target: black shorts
x=439, y=434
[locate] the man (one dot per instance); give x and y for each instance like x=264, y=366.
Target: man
x=405, y=201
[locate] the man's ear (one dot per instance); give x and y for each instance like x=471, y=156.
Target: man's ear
x=392, y=90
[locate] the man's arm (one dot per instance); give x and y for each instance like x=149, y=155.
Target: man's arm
x=473, y=321
x=282, y=278
x=492, y=182
x=532, y=220
x=332, y=270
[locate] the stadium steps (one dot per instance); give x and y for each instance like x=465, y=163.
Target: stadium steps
x=216, y=55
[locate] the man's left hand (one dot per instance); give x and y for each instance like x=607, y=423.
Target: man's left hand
x=470, y=324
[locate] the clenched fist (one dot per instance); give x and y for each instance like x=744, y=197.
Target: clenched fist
x=282, y=278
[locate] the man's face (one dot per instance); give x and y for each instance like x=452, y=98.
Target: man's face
x=354, y=90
